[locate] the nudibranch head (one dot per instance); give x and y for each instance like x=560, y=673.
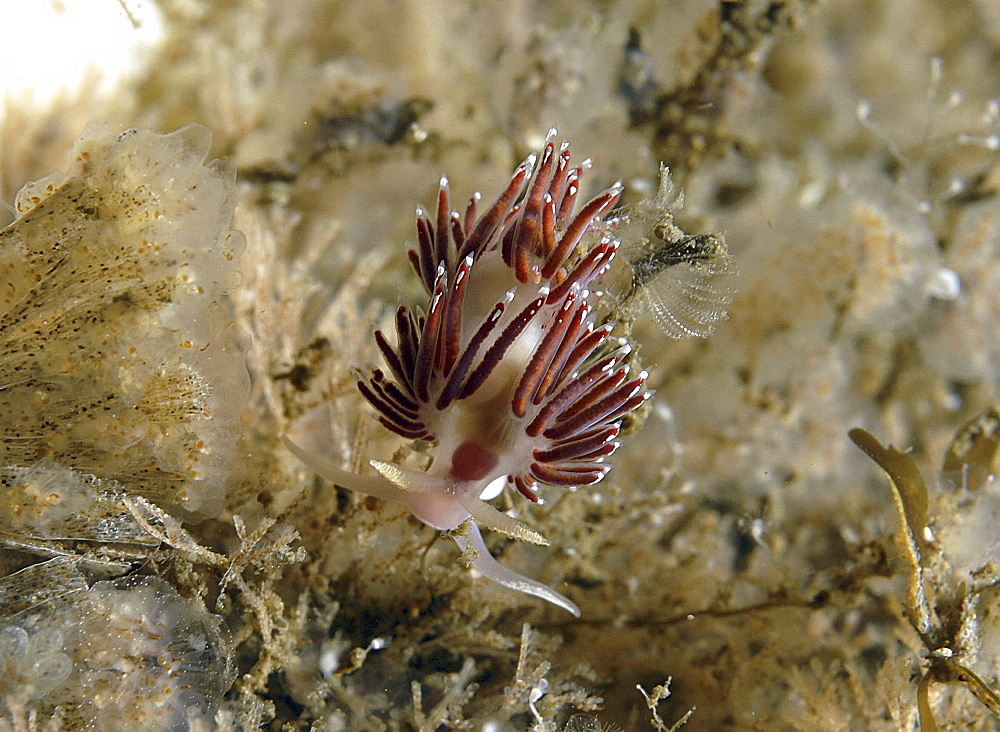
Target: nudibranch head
x=506, y=369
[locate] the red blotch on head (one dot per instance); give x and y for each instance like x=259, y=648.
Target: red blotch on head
x=472, y=462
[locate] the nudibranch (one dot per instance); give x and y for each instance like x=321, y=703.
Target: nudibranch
x=507, y=371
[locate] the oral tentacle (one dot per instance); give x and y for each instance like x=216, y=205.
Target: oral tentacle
x=490, y=568
x=369, y=485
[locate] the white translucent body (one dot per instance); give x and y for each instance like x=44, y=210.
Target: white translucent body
x=445, y=511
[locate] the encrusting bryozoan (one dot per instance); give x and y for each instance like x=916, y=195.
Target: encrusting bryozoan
x=507, y=370
x=118, y=359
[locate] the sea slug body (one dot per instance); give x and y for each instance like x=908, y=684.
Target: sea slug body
x=506, y=371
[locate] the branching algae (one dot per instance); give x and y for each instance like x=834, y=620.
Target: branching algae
x=945, y=580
